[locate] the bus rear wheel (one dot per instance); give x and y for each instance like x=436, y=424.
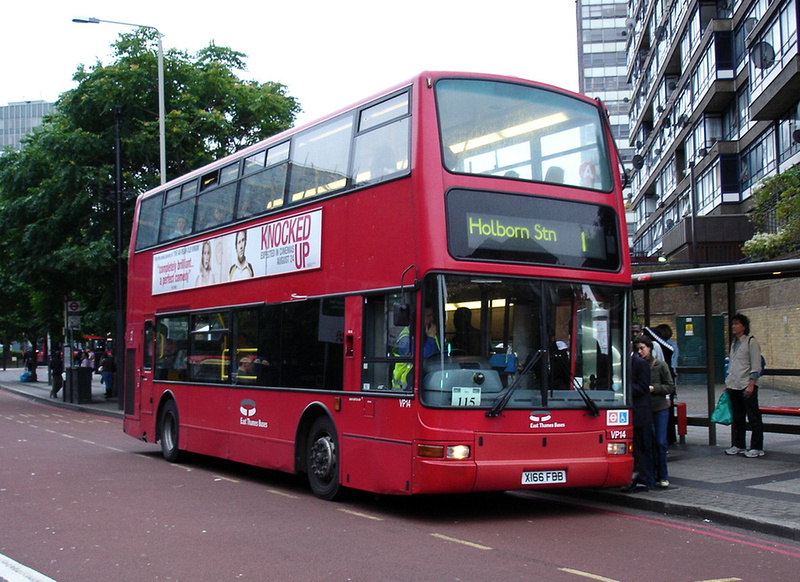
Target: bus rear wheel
x=322, y=457
x=170, y=436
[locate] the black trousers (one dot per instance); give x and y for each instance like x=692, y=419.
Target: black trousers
x=746, y=410
x=643, y=455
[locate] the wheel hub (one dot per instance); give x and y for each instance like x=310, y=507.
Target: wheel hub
x=323, y=457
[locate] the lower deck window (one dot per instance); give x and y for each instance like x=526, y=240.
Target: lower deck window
x=296, y=345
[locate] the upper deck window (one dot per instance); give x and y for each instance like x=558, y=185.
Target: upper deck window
x=262, y=189
x=368, y=145
x=319, y=159
x=383, y=112
x=382, y=147
x=517, y=131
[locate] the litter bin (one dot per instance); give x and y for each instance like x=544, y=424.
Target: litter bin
x=78, y=387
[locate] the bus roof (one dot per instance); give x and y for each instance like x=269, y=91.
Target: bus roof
x=425, y=76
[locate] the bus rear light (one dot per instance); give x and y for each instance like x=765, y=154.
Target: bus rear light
x=617, y=448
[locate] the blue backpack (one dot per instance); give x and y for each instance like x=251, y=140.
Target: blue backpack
x=763, y=361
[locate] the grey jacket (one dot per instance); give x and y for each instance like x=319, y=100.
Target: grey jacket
x=744, y=362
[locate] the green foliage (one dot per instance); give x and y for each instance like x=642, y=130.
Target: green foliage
x=778, y=200
x=57, y=218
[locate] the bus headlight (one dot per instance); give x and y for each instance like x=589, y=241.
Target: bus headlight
x=617, y=448
x=458, y=452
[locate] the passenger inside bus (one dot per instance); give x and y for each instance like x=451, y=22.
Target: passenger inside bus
x=555, y=175
x=181, y=227
x=467, y=339
x=217, y=217
x=171, y=361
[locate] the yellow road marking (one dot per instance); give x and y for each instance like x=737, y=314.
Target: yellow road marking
x=228, y=479
x=359, y=514
x=587, y=575
x=463, y=542
x=282, y=493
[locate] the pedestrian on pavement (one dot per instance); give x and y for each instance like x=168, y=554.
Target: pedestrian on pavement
x=744, y=368
x=665, y=333
x=56, y=371
x=88, y=359
x=661, y=389
x=108, y=369
x=642, y=478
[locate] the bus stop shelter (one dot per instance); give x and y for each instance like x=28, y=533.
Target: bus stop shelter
x=702, y=282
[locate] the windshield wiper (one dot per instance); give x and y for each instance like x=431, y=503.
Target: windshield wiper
x=503, y=401
x=590, y=404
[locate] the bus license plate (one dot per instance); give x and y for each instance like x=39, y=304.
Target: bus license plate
x=539, y=477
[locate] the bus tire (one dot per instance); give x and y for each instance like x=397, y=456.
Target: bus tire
x=322, y=458
x=169, y=431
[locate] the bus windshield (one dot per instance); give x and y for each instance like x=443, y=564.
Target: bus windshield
x=552, y=343
x=517, y=131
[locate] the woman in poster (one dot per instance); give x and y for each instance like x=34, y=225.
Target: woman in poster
x=206, y=275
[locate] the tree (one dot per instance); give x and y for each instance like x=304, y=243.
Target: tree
x=776, y=216
x=56, y=194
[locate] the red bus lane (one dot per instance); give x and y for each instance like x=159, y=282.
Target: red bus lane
x=82, y=502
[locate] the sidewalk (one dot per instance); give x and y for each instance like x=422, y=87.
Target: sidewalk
x=40, y=390
x=761, y=494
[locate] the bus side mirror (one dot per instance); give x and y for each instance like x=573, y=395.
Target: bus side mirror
x=401, y=314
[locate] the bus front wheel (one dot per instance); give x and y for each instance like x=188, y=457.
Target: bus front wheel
x=169, y=432
x=322, y=458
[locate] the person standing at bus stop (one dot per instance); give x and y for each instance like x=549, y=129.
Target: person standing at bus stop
x=108, y=369
x=744, y=366
x=661, y=389
x=642, y=478
x=56, y=371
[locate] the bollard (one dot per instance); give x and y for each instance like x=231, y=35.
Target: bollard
x=680, y=420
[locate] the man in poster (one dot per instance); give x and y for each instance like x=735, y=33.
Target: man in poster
x=241, y=269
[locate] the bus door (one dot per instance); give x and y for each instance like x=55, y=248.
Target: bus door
x=377, y=447
x=143, y=361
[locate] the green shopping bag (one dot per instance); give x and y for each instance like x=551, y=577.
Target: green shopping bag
x=722, y=413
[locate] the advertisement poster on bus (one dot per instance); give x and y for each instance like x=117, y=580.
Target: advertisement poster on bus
x=288, y=245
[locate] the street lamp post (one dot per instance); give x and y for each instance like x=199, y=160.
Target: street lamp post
x=161, y=113
x=119, y=343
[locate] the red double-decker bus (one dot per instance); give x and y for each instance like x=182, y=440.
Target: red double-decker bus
x=424, y=293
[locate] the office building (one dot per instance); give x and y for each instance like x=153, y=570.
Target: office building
x=603, y=71
x=602, y=61
x=20, y=118
x=714, y=109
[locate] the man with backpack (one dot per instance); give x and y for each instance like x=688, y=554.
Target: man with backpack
x=744, y=368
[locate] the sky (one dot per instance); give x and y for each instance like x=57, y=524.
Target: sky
x=329, y=54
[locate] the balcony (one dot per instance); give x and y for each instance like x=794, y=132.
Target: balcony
x=719, y=238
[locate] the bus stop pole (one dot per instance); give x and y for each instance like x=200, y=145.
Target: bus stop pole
x=710, y=375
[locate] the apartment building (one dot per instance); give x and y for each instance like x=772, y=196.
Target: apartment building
x=715, y=91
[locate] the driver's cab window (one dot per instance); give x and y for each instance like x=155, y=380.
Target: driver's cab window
x=388, y=348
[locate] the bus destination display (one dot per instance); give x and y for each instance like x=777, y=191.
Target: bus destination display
x=508, y=227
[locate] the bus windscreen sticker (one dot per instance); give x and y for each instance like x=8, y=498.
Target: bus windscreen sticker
x=278, y=247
